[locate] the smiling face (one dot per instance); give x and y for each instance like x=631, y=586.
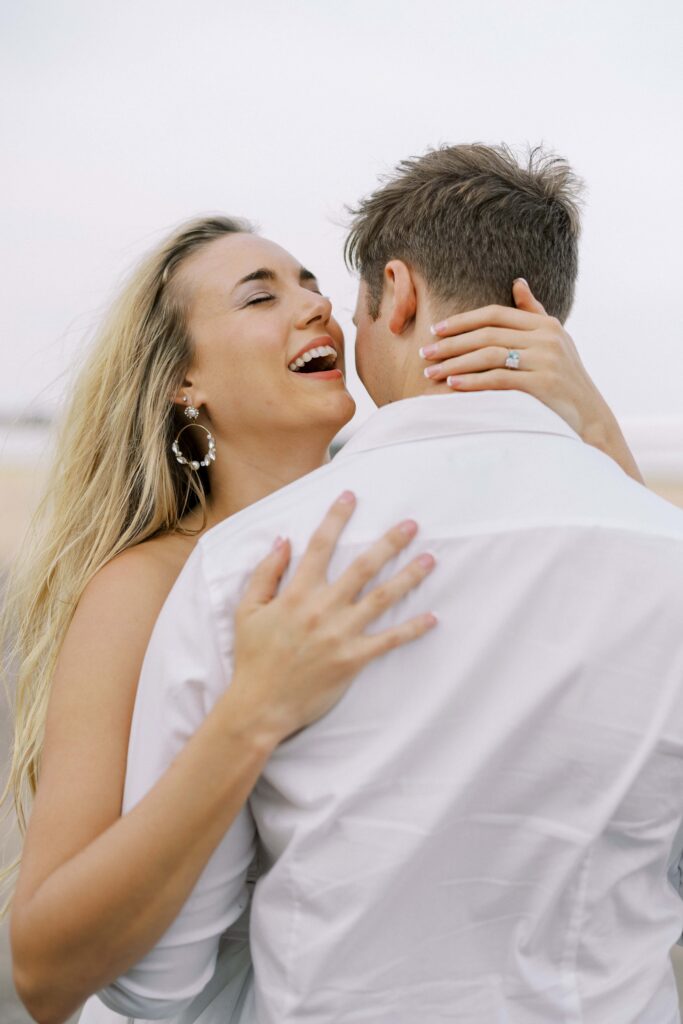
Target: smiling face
x=252, y=313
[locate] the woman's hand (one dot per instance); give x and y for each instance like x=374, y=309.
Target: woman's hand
x=296, y=653
x=471, y=354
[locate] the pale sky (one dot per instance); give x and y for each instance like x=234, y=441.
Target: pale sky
x=121, y=119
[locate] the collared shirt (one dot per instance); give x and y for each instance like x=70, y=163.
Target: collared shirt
x=487, y=826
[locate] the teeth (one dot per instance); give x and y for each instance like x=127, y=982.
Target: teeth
x=313, y=353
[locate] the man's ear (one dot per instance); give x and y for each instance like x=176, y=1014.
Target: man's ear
x=401, y=296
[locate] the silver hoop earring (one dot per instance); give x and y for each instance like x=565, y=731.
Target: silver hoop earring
x=210, y=456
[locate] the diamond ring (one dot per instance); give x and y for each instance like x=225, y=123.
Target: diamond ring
x=512, y=361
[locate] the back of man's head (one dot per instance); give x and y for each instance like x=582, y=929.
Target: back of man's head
x=470, y=219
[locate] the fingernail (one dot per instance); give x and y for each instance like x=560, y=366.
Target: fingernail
x=278, y=543
x=431, y=619
x=522, y=279
x=431, y=371
x=435, y=328
x=427, y=561
x=453, y=381
x=428, y=350
x=409, y=527
x=347, y=498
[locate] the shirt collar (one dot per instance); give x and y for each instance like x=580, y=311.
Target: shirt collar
x=431, y=416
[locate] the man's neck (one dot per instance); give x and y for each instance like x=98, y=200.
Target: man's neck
x=410, y=381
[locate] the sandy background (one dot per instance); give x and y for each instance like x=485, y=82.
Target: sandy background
x=19, y=489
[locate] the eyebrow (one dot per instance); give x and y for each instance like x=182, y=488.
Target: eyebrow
x=266, y=274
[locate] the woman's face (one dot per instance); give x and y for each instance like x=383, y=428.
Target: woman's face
x=253, y=310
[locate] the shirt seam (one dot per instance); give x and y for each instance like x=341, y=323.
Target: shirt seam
x=569, y=958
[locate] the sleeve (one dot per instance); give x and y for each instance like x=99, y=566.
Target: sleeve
x=186, y=669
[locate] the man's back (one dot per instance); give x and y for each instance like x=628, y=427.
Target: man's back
x=480, y=830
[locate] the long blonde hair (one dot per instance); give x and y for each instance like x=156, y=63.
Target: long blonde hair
x=113, y=483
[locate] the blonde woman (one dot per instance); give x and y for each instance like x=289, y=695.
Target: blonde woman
x=134, y=484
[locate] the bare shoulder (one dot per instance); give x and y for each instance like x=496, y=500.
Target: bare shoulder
x=119, y=605
x=100, y=660
x=116, y=613
x=153, y=562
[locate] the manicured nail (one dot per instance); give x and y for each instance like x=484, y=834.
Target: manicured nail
x=453, y=381
x=347, y=498
x=435, y=328
x=431, y=619
x=279, y=542
x=428, y=350
x=522, y=279
x=427, y=561
x=409, y=527
x=431, y=371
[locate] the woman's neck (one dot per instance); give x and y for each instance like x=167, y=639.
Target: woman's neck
x=240, y=477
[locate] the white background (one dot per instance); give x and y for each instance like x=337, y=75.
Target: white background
x=120, y=119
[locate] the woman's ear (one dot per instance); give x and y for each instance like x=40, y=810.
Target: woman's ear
x=186, y=394
x=400, y=296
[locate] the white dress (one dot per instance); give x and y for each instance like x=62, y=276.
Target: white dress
x=227, y=999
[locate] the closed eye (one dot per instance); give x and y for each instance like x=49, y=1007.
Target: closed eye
x=260, y=298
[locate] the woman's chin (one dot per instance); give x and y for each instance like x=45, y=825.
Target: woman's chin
x=339, y=409
x=345, y=406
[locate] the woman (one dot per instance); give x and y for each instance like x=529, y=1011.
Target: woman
x=125, y=505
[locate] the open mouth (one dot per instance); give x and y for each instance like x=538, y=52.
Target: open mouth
x=315, y=360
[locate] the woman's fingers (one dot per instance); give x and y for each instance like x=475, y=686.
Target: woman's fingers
x=495, y=380
x=487, y=316
x=480, y=360
x=525, y=298
x=528, y=315
x=265, y=579
x=485, y=337
x=387, y=594
x=366, y=566
x=315, y=561
x=381, y=643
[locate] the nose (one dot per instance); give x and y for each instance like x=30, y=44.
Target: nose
x=313, y=307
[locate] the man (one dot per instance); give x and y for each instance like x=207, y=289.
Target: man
x=489, y=832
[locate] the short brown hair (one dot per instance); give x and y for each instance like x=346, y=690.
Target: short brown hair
x=470, y=219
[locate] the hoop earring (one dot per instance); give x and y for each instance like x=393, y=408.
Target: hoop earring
x=210, y=456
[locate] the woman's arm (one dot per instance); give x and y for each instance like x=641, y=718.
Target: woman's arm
x=97, y=891
x=470, y=349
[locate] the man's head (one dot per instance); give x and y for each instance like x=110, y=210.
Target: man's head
x=450, y=231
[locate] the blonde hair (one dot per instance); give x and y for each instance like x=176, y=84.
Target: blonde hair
x=113, y=483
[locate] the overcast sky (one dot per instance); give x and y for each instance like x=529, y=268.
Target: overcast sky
x=120, y=119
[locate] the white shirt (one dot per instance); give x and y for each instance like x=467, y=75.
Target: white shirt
x=487, y=828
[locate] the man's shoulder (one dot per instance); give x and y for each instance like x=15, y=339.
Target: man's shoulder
x=294, y=508
x=606, y=492
x=452, y=493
